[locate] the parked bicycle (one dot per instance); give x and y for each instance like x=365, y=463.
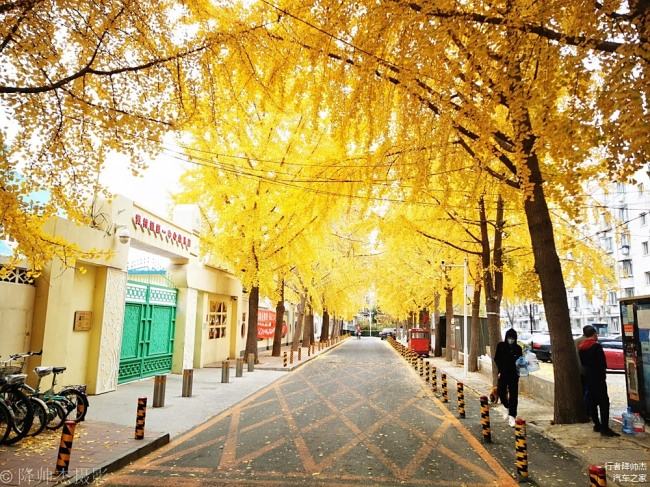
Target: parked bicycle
x=6, y=421
x=70, y=403
x=22, y=409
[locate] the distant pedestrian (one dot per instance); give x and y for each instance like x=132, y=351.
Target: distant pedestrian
x=592, y=357
x=505, y=357
x=358, y=333
x=583, y=370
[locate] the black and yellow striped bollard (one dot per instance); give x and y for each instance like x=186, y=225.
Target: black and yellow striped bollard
x=597, y=476
x=284, y=360
x=291, y=357
x=308, y=350
x=140, y=418
x=485, y=420
x=299, y=353
x=434, y=379
x=65, y=448
x=443, y=378
x=461, y=399
x=427, y=374
x=421, y=367
x=521, y=448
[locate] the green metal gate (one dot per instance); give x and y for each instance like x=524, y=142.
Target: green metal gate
x=148, y=333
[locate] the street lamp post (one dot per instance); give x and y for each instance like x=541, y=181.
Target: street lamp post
x=464, y=266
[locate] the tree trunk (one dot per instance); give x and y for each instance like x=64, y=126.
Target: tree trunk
x=279, y=320
x=251, y=338
x=300, y=318
x=308, y=330
x=492, y=263
x=569, y=405
x=449, y=313
x=472, y=365
x=325, y=330
x=437, y=351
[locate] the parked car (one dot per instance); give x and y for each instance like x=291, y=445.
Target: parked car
x=388, y=332
x=541, y=347
x=613, y=348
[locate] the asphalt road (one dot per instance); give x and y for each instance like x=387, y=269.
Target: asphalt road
x=358, y=415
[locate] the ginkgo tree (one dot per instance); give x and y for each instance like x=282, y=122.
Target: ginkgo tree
x=533, y=92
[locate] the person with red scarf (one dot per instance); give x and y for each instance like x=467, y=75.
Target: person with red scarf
x=592, y=357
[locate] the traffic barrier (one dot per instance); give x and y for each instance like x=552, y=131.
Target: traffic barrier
x=443, y=378
x=159, y=386
x=188, y=379
x=225, y=371
x=65, y=448
x=239, y=367
x=434, y=379
x=251, y=362
x=597, y=476
x=140, y=418
x=428, y=372
x=285, y=359
x=485, y=420
x=461, y=399
x=521, y=448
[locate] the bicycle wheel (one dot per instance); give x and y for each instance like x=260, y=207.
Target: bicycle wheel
x=23, y=412
x=79, y=404
x=6, y=422
x=40, y=416
x=55, y=415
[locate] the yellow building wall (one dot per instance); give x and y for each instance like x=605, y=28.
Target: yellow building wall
x=16, y=313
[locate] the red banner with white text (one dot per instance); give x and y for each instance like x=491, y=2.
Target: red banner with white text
x=266, y=324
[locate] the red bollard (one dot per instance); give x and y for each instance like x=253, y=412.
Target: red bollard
x=597, y=476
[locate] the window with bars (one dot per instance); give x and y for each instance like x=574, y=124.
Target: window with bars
x=217, y=320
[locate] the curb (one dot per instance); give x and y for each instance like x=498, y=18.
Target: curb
x=116, y=463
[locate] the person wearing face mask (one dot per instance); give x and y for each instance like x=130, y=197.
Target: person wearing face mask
x=505, y=357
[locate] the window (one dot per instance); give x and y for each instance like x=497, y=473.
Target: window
x=622, y=214
x=625, y=239
x=626, y=268
x=611, y=297
x=647, y=278
x=608, y=244
x=576, y=302
x=217, y=320
x=644, y=248
x=620, y=188
x=629, y=291
x=644, y=219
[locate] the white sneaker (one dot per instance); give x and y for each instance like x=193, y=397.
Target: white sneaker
x=511, y=421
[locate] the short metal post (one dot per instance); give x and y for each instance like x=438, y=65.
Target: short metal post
x=434, y=379
x=291, y=357
x=521, y=447
x=428, y=372
x=421, y=367
x=308, y=350
x=140, y=418
x=299, y=354
x=239, y=371
x=485, y=420
x=188, y=380
x=461, y=399
x=284, y=360
x=443, y=378
x=159, y=386
x=225, y=372
x=65, y=448
x=597, y=476
x=251, y=362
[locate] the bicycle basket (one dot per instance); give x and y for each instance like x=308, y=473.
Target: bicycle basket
x=9, y=369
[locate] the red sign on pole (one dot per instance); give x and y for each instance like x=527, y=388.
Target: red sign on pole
x=266, y=324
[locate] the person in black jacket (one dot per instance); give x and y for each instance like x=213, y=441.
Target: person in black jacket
x=506, y=355
x=592, y=357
